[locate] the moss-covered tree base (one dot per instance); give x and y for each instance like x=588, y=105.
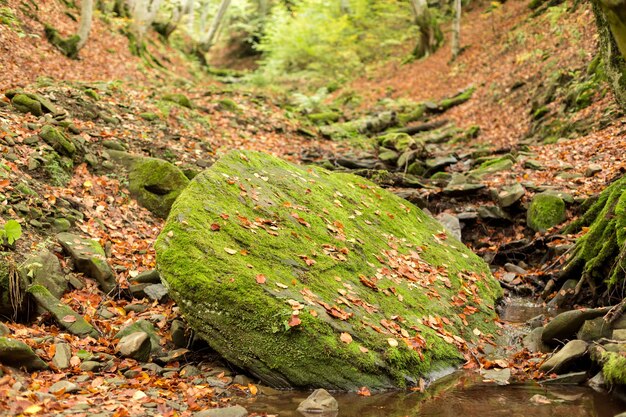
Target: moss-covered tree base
x=68, y=46
x=598, y=260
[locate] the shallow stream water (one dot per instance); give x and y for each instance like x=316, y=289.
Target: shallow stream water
x=463, y=394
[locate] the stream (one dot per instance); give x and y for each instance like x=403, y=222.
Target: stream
x=462, y=393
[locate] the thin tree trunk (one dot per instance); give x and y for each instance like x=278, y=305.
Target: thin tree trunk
x=345, y=6
x=215, y=25
x=456, y=30
x=86, y=15
x=430, y=34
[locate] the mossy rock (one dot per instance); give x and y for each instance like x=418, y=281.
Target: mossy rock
x=546, y=210
x=493, y=165
x=145, y=327
x=308, y=278
x=155, y=184
x=614, y=368
x=149, y=116
x=18, y=354
x=180, y=99
x=25, y=104
x=68, y=46
x=59, y=142
x=324, y=118
x=229, y=105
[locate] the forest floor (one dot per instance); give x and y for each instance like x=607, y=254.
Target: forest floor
x=108, y=89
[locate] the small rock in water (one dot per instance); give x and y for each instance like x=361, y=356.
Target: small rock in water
x=320, y=401
x=565, y=357
x=499, y=376
x=234, y=411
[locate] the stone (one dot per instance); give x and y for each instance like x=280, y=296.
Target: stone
x=145, y=327
x=451, y=223
x=64, y=315
x=546, y=210
x=156, y=184
x=179, y=99
x=59, y=142
x=534, y=343
x=492, y=213
x=91, y=366
x=563, y=294
x=572, y=378
x=242, y=380
x=25, y=104
x=438, y=164
x=565, y=325
x=178, y=332
x=492, y=166
x=515, y=269
x=189, y=371
x=63, y=387
x=499, y=376
x=136, y=346
x=137, y=290
x=61, y=225
x=216, y=231
x=137, y=308
x=148, y=277
x=44, y=269
x=462, y=188
x=320, y=401
x=62, y=355
x=18, y=354
x=597, y=382
x=156, y=292
x=561, y=361
x=534, y=165
x=619, y=335
x=89, y=258
x=4, y=330
x=592, y=169
x=508, y=196
x=232, y=411
x=594, y=329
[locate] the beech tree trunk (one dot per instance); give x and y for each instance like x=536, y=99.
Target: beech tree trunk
x=430, y=33
x=86, y=17
x=215, y=25
x=456, y=30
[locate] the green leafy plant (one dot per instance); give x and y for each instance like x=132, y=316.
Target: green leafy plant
x=11, y=231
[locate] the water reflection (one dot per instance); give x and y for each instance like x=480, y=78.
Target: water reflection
x=457, y=395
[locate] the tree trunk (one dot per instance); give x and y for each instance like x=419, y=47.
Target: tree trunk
x=611, y=22
x=86, y=15
x=344, y=6
x=430, y=33
x=456, y=30
x=598, y=259
x=207, y=43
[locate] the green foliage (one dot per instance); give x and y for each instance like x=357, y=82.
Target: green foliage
x=11, y=232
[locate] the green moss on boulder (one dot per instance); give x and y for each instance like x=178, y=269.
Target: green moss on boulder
x=59, y=142
x=155, y=184
x=614, y=368
x=18, y=354
x=546, y=210
x=68, y=46
x=180, y=99
x=312, y=279
x=25, y=104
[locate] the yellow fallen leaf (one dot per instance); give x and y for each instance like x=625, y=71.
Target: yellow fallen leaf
x=253, y=389
x=230, y=251
x=345, y=338
x=32, y=409
x=392, y=342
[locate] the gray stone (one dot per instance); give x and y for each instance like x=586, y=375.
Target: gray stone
x=437, y=164
x=136, y=346
x=242, y=380
x=189, y=371
x=18, y=354
x=592, y=169
x=156, y=292
x=63, y=387
x=563, y=294
x=233, y=411
x=508, y=196
x=561, y=361
x=148, y=277
x=499, y=376
x=152, y=367
x=492, y=213
x=62, y=355
x=509, y=277
x=533, y=164
x=137, y=290
x=565, y=325
x=514, y=268
x=89, y=258
x=594, y=329
x=90, y=366
x=137, y=308
x=178, y=331
x=451, y=223
x=572, y=378
x=146, y=327
x=320, y=401
x=215, y=382
x=619, y=335
x=61, y=224
x=533, y=342
x=44, y=269
x=597, y=383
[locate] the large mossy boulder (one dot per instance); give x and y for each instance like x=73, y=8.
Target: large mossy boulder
x=308, y=278
x=546, y=210
x=155, y=184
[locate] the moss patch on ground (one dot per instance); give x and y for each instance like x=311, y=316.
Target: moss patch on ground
x=308, y=278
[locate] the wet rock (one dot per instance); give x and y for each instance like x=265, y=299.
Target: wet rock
x=89, y=258
x=148, y=277
x=533, y=341
x=536, y=321
x=561, y=361
x=508, y=196
x=156, y=292
x=594, y=329
x=44, y=269
x=242, y=380
x=64, y=315
x=572, y=378
x=563, y=294
x=91, y=366
x=451, y=223
x=320, y=401
x=597, y=383
x=63, y=387
x=499, y=376
x=156, y=184
x=62, y=355
x=565, y=325
x=18, y=354
x=619, y=334
x=145, y=327
x=233, y=411
x=546, y=210
x=136, y=346
x=59, y=142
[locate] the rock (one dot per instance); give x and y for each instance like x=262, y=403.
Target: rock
x=63, y=387
x=61, y=225
x=563, y=294
x=59, y=142
x=148, y=277
x=156, y=184
x=561, y=361
x=44, y=269
x=25, y=104
x=179, y=99
x=618, y=334
x=594, y=329
x=515, y=269
x=492, y=213
x=499, y=376
x=546, y=210
x=136, y=346
x=62, y=355
x=189, y=371
x=137, y=308
x=216, y=231
x=65, y=316
x=493, y=165
x=242, y=380
x=388, y=156
x=451, y=223
x=533, y=341
x=620, y=323
x=438, y=164
x=149, y=116
x=460, y=185
x=592, y=169
x=533, y=164
x=137, y=290
x=597, y=382
x=90, y=366
x=320, y=401
x=89, y=258
x=178, y=331
x=573, y=378
x=4, y=330
x=18, y=354
x=510, y=195
x=156, y=292
x=565, y=325
x=145, y=327
x=233, y=411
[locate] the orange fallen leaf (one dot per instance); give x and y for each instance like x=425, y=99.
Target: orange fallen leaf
x=345, y=338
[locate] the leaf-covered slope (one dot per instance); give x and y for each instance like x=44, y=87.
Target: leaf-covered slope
x=308, y=278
